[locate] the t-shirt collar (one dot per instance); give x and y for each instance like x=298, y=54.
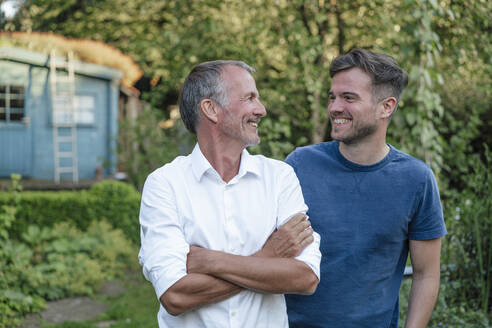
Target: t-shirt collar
x=360, y=167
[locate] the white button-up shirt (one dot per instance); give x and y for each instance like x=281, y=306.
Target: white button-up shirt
x=187, y=203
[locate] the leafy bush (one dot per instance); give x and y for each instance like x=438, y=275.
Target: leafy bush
x=115, y=201
x=70, y=250
x=445, y=314
x=467, y=250
x=465, y=298
x=59, y=261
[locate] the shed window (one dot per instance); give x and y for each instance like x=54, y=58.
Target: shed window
x=12, y=103
x=84, y=109
x=83, y=106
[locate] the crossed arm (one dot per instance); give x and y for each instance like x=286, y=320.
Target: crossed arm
x=214, y=276
x=425, y=256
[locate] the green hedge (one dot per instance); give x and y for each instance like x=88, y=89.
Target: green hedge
x=116, y=202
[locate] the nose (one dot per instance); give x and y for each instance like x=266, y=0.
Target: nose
x=260, y=110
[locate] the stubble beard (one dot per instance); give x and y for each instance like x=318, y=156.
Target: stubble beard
x=250, y=140
x=254, y=142
x=242, y=133
x=358, y=135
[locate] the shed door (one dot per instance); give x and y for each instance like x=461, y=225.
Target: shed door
x=15, y=132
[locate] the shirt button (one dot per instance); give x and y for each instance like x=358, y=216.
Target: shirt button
x=233, y=313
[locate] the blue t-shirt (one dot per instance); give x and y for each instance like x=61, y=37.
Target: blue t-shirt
x=365, y=215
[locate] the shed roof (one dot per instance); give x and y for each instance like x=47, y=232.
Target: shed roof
x=40, y=59
x=85, y=50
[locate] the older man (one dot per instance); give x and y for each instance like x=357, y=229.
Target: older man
x=214, y=242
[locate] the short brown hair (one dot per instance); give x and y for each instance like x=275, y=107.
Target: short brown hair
x=388, y=79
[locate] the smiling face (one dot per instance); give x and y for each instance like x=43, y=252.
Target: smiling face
x=353, y=113
x=239, y=119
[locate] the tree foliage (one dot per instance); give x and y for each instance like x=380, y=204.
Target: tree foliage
x=291, y=44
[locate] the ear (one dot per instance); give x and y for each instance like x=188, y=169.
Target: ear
x=388, y=107
x=209, y=109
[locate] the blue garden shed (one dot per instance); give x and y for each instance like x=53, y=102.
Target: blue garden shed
x=58, y=116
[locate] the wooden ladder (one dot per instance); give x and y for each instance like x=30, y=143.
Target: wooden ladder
x=62, y=82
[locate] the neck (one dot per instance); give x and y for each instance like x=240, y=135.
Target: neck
x=225, y=157
x=365, y=153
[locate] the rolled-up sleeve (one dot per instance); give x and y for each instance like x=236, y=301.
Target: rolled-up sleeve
x=291, y=202
x=163, y=249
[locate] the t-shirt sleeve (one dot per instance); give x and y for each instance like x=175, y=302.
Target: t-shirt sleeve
x=428, y=221
x=290, y=203
x=163, y=249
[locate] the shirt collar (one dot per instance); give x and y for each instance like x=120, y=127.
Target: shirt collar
x=200, y=165
x=249, y=164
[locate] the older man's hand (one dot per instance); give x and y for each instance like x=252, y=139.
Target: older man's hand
x=199, y=260
x=290, y=239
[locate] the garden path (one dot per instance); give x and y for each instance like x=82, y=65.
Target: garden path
x=75, y=309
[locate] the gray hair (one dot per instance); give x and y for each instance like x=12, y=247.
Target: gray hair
x=388, y=79
x=204, y=82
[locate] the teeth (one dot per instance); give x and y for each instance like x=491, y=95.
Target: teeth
x=340, y=120
x=254, y=124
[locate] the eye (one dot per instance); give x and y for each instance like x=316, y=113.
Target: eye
x=253, y=97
